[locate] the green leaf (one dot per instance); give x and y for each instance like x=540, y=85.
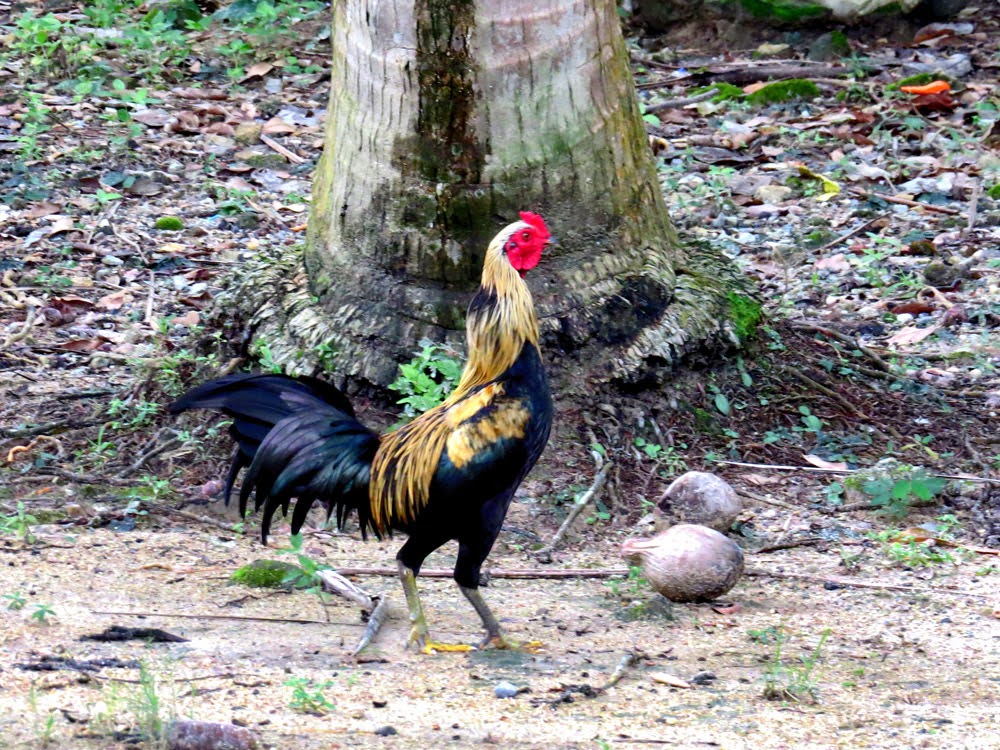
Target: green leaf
x=722, y=403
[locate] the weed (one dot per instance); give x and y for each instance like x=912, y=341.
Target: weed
x=893, y=488
x=15, y=601
x=304, y=577
x=308, y=697
x=784, y=681
x=910, y=553
x=44, y=726
x=633, y=585
x=427, y=379
x=666, y=457
x=19, y=523
x=42, y=613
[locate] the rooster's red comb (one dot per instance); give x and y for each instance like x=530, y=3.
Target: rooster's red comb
x=535, y=220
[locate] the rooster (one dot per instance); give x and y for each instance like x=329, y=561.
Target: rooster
x=449, y=474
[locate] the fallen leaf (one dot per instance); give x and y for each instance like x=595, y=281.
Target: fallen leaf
x=822, y=464
x=42, y=209
x=188, y=319
x=113, y=301
x=830, y=188
x=153, y=118
x=942, y=102
x=61, y=224
x=911, y=308
x=911, y=335
x=81, y=345
x=836, y=262
x=728, y=609
x=759, y=479
x=668, y=679
x=257, y=70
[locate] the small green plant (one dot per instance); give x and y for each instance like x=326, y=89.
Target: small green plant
x=308, y=696
x=15, y=601
x=304, y=576
x=634, y=584
x=427, y=379
x=900, y=546
x=795, y=682
x=19, y=523
x=894, y=488
x=784, y=91
x=44, y=725
x=42, y=613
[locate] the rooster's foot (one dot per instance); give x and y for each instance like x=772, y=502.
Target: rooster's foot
x=504, y=642
x=420, y=638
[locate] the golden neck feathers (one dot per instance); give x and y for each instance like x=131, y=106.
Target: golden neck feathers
x=501, y=318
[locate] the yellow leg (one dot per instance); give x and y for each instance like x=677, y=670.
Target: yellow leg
x=419, y=634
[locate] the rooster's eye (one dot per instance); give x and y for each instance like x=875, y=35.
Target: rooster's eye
x=525, y=236
x=511, y=245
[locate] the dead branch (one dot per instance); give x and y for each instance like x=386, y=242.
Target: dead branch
x=246, y=618
x=375, y=621
x=545, y=553
x=680, y=102
x=845, y=339
x=522, y=573
x=905, y=202
x=817, y=469
x=848, y=583
x=853, y=232
x=23, y=333
x=335, y=583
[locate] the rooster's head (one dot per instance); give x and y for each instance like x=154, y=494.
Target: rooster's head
x=523, y=241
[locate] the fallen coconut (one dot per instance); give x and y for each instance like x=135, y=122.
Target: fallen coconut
x=701, y=498
x=687, y=563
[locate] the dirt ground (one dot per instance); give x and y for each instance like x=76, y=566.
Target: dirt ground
x=913, y=669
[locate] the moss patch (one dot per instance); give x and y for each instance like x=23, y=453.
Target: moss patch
x=725, y=91
x=920, y=79
x=784, y=10
x=784, y=91
x=994, y=192
x=265, y=574
x=169, y=223
x=745, y=314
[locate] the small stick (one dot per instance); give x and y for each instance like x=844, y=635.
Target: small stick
x=274, y=145
x=829, y=392
x=375, y=621
x=973, y=206
x=652, y=109
x=905, y=202
x=246, y=618
x=847, y=583
x=817, y=469
x=335, y=583
x=843, y=338
x=150, y=300
x=522, y=573
x=545, y=553
x=630, y=658
x=791, y=544
x=22, y=334
x=853, y=232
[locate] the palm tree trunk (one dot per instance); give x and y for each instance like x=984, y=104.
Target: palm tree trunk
x=446, y=118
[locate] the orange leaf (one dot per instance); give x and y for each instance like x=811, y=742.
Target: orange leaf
x=934, y=87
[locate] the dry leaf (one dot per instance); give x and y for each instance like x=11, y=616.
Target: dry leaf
x=61, y=224
x=668, y=679
x=153, y=118
x=911, y=335
x=820, y=463
x=257, y=70
x=113, y=301
x=836, y=262
x=759, y=479
x=81, y=345
x=190, y=318
x=277, y=126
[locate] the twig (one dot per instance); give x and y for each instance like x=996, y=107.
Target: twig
x=246, y=618
x=973, y=207
x=630, y=658
x=335, y=583
x=851, y=409
x=680, y=102
x=848, y=235
x=847, y=583
x=545, y=553
x=817, y=469
x=522, y=573
x=844, y=338
x=150, y=299
x=274, y=145
x=905, y=202
x=190, y=516
x=791, y=544
x=375, y=621
x=55, y=471
x=21, y=334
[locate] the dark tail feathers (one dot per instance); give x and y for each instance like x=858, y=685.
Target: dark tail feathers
x=298, y=438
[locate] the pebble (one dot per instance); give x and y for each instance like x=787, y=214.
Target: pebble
x=506, y=690
x=703, y=678
x=111, y=260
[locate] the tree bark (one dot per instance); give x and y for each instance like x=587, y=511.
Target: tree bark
x=446, y=118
